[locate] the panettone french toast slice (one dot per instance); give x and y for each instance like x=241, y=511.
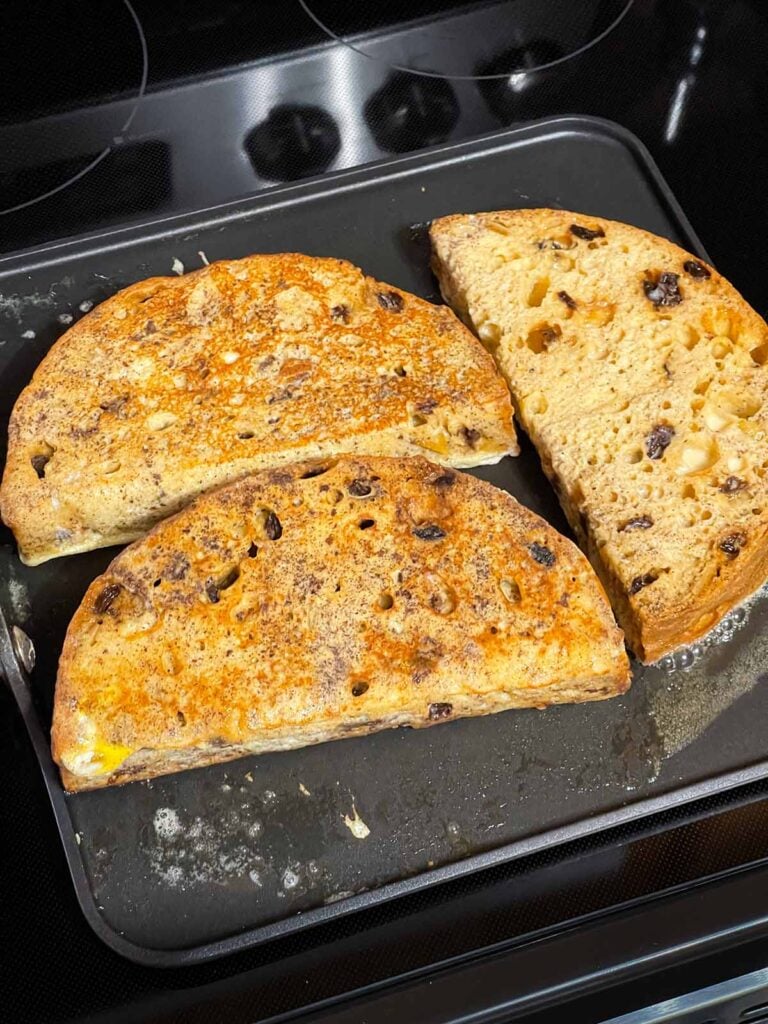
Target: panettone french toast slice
x=324, y=600
x=179, y=384
x=640, y=375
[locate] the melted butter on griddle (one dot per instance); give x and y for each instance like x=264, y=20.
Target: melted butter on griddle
x=688, y=689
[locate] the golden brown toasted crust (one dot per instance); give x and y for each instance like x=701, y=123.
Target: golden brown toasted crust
x=176, y=385
x=645, y=395
x=324, y=600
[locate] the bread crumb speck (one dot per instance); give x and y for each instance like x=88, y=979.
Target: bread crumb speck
x=303, y=789
x=356, y=825
x=177, y=266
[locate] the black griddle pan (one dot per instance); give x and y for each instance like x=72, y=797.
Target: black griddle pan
x=199, y=864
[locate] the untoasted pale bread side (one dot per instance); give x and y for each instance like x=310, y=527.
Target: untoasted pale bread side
x=176, y=385
x=639, y=373
x=325, y=600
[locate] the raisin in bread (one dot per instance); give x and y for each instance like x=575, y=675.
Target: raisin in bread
x=639, y=373
x=324, y=600
x=179, y=384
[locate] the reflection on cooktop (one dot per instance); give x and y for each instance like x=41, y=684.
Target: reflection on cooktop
x=513, y=96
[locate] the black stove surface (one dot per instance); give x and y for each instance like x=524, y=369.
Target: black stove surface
x=114, y=111
x=117, y=110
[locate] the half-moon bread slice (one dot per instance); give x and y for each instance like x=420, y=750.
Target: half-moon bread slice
x=179, y=384
x=640, y=375
x=324, y=600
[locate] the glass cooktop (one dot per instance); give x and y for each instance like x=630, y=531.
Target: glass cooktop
x=117, y=110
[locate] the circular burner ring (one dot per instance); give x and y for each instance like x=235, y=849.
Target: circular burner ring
x=124, y=128
x=471, y=78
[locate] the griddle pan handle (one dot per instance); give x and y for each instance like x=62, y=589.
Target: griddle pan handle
x=17, y=655
x=17, y=659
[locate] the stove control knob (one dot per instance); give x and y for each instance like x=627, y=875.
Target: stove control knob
x=410, y=111
x=293, y=142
